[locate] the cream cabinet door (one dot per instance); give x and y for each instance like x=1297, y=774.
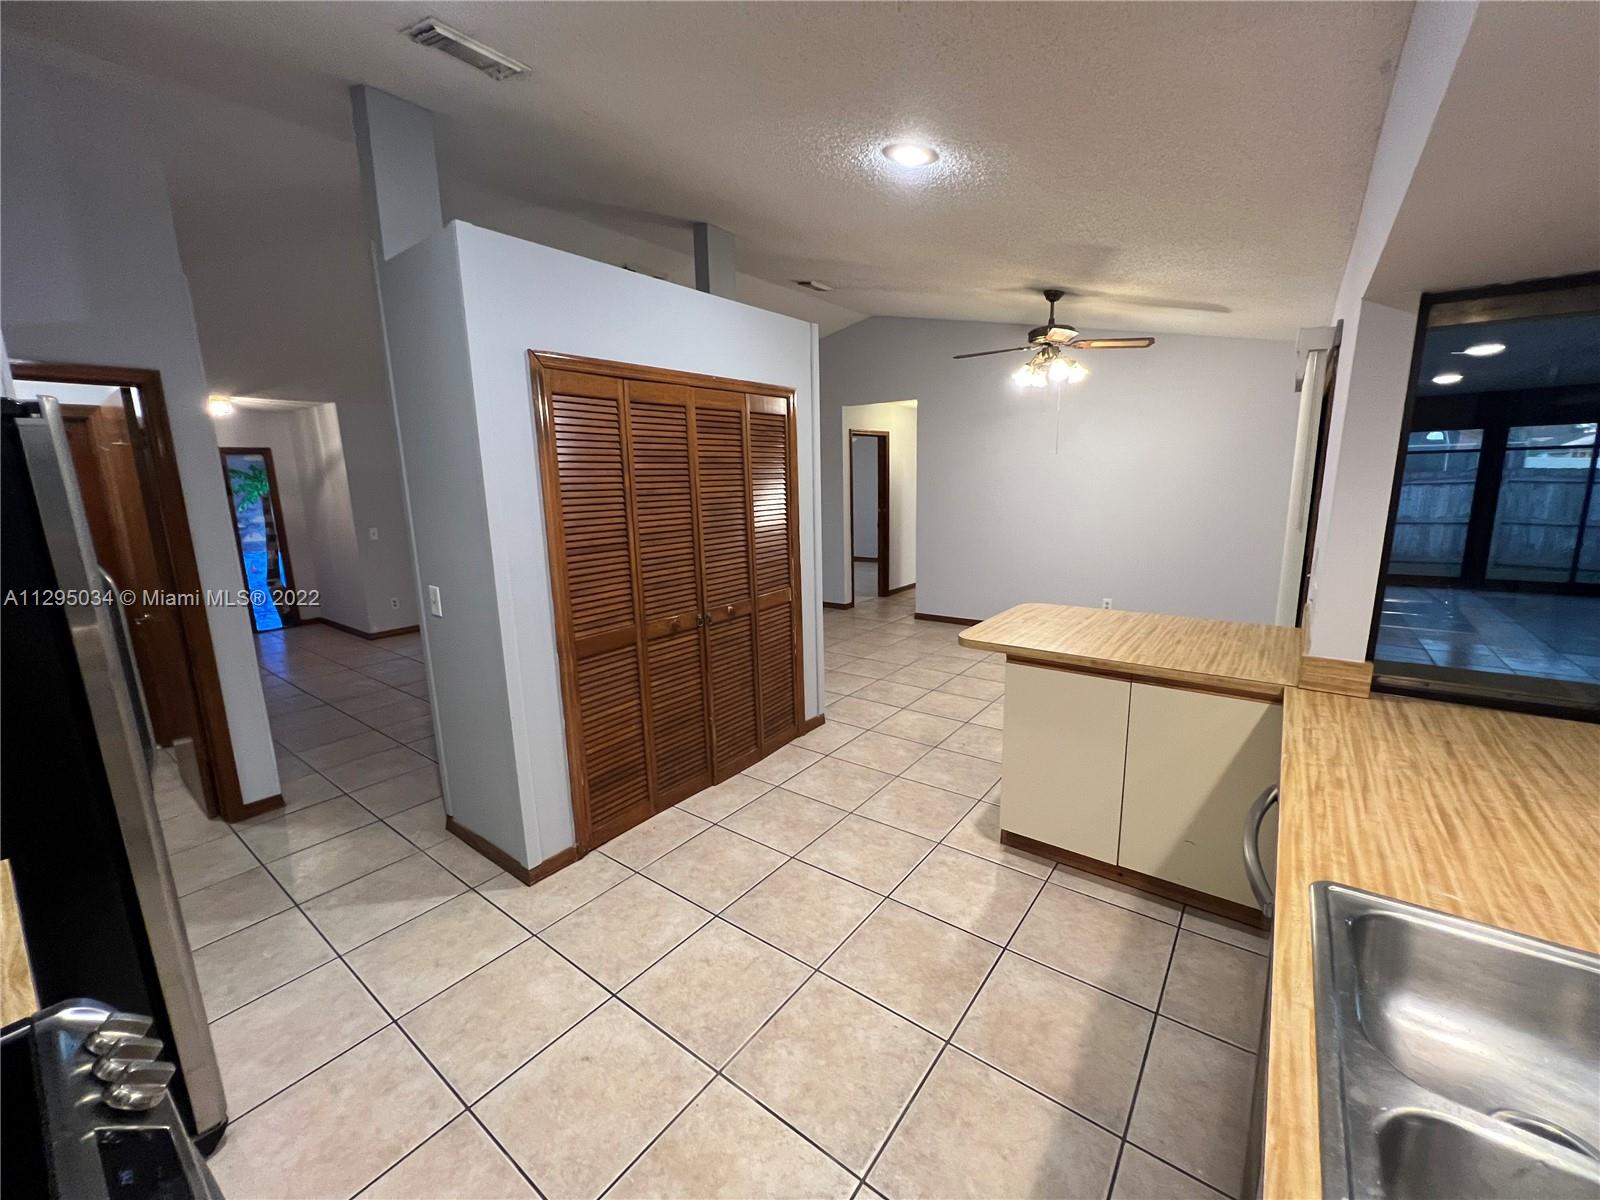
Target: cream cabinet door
x=1062, y=769
x=1195, y=763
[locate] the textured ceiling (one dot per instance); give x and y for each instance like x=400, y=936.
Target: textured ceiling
x=1185, y=167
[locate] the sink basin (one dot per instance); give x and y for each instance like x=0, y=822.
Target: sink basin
x=1454, y=1059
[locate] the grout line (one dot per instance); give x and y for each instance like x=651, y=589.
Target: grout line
x=1144, y=1061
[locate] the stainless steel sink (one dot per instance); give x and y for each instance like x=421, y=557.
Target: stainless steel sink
x=1453, y=1059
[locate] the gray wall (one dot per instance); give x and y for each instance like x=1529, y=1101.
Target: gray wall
x=91, y=274
x=864, y=496
x=1168, y=492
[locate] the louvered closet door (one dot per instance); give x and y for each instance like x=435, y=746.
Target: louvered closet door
x=727, y=577
x=772, y=504
x=659, y=417
x=607, y=727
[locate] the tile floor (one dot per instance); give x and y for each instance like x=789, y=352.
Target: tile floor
x=1530, y=634
x=822, y=977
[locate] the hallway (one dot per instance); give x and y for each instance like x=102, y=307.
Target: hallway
x=826, y=966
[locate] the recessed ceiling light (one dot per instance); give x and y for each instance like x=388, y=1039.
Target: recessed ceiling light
x=1449, y=377
x=1484, y=349
x=910, y=154
x=219, y=406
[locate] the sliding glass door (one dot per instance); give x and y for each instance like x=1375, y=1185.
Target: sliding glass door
x=1544, y=513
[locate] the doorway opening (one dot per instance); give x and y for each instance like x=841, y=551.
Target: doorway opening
x=869, y=511
x=259, y=530
x=122, y=452
x=1491, y=575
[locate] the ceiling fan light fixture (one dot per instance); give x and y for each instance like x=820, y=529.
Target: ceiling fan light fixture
x=1484, y=350
x=910, y=154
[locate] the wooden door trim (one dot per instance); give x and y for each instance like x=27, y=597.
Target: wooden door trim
x=157, y=460
x=883, y=511
x=277, y=517
x=641, y=648
x=621, y=370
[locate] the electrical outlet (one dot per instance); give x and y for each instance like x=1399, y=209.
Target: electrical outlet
x=1105, y=602
x=435, y=604
x=372, y=533
x=394, y=601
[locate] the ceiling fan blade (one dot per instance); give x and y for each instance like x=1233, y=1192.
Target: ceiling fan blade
x=982, y=353
x=1111, y=343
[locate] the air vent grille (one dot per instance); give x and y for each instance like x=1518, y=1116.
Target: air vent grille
x=814, y=285
x=436, y=34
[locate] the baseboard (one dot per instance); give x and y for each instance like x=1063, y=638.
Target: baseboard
x=256, y=807
x=922, y=616
x=904, y=587
x=1336, y=675
x=836, y=604
x=1231, y=909
x=507, y=863
x=811, y=723
x=361, y=633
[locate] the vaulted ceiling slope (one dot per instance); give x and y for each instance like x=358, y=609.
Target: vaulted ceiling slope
x=1184, y=167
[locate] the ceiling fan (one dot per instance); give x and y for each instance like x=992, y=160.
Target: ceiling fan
x=1050, y=342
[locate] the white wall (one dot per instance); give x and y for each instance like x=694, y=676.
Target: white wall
x=462, y=309
x=899, y=421
x=1168, y=492
x=91, y=274
x=864, y=497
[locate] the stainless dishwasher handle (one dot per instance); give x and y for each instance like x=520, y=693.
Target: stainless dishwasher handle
x=1259, y=883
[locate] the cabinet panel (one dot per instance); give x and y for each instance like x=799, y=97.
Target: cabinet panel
x=1195, y=763
x=1066, y=734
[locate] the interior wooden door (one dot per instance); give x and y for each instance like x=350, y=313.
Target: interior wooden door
x=598, y=606
x=727, y=571
x=662, y=465
x=775, y=532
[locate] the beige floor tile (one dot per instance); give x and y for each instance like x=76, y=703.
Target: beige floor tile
x=313, y=1141
x=422, y=826
x=304, y=732
x=409, y=730
x=1217, y=988
x=209, y=864
x=291, y=765
x=725, y=1146
x=836, y=1066
x=461, y=1160
x=480, y=1030
x=1098, y=943
x=1193, y=1108
x=972, y=1132
x=922, y=968
x=868, y=668
x=357, y=745
x=784, y=820
x=620, y=933
x=191, y=828
x=864, y=714
x=920, y=727
x=360, y=910
x=250, y=963
x=882, y=752
x=229, y=906
x=307, y=790
x=782, y=763
x=400, y=792
x=1225, y=930
x=728, y=797
x=463, y=861
x=424, y=956
x=929, y=812
x=1072, y=1042
x=802, y=910
x=883, y=691
x=920, y=677
x=977, y=689
x=840, y=683
x=981, y=897
x=715, y=867
x=875, y=856
x=610, y=1085
x=426, y=747
x=1141, y=1176
x=374, y=768
x=960, y=773
x=323, y=867
x=827, y=737
x=286, y=1034
x=716, y=989
x=651, y=838
x=977, y=740
x=279, y=835
x=552, y=898
x=993, y=717
x=943, y=704
x=979, y=833
x=840, y=782
x=1116, y=893
x=955, y=660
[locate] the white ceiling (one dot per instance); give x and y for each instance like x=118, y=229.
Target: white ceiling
x=1187, y=167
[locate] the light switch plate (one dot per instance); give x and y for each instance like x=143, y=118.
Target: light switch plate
x=435, y=603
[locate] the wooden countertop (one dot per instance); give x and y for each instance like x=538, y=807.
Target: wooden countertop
x=1490, y=815
x=17, y=998
x=1226, y=656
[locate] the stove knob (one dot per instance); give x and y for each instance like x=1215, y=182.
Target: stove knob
x=141, y=1087
x=126, y=1055
x=118, y=1027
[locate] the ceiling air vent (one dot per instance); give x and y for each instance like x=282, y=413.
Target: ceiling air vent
x=814, y=285
x=435, y=33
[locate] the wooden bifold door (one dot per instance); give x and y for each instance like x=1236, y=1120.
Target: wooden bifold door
x=674, y=551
